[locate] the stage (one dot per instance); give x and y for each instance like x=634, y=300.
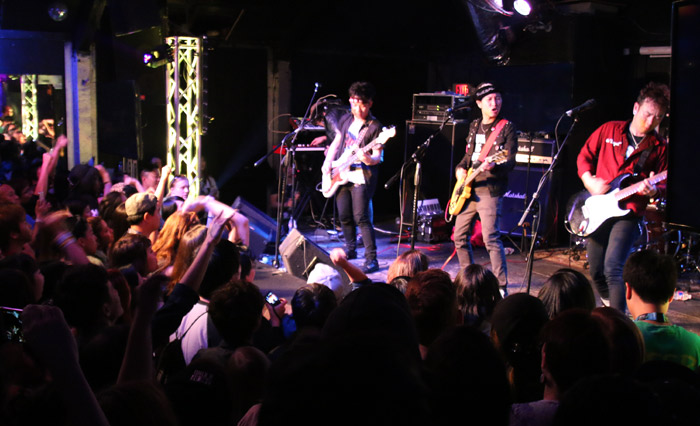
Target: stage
x=546, y=261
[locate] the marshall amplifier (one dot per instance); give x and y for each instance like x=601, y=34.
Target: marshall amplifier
x=522, y=183
x=434, y=106
x=534, y=151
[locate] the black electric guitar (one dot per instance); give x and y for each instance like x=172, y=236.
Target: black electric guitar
x=588, y=212
x=463, y=187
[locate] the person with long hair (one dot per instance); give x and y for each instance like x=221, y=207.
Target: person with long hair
x=169, y=238
x=187, y=250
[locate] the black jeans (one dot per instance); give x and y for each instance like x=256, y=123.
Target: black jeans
x=353, y=209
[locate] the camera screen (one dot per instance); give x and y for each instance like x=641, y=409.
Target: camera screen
x=11, y=324
x=272, y=299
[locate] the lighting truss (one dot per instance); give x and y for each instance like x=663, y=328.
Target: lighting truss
x=183, y=103
x=30, y=119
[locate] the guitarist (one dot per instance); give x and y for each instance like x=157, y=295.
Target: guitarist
x=615, y=148
x=353, y=199
x=488, y=187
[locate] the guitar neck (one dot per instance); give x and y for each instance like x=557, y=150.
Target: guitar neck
x=632, y=189
x=364, y=149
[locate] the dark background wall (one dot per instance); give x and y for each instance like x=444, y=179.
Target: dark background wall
x=565, y=53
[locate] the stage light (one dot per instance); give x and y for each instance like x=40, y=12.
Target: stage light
x=159, y=56
x=522, y=7
x=58, y=11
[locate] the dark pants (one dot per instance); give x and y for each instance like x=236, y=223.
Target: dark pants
x=608, y=249
x=353, y=210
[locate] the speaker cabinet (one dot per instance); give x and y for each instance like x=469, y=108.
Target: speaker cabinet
x=522, y=184
x=300, y=255
x=445, y=151
x=262, y=227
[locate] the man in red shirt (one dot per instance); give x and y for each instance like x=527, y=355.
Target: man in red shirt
x=616, y=148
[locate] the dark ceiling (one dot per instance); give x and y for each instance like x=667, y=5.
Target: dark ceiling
x=385, y=27
x=390, y=25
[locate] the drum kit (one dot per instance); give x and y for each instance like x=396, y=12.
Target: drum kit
x=682, y=245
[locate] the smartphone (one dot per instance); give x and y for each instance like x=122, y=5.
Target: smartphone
x=11, y=325
x=272, y=299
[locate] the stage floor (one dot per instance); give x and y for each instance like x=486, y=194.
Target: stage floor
x=441, y=255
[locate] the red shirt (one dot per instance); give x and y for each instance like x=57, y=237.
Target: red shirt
x=603, y=155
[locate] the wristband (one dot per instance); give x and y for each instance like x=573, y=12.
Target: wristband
x=64, y=239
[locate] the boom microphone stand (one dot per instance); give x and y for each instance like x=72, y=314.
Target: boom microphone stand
x=287, y=161
x=416, y=158
x=536, y=213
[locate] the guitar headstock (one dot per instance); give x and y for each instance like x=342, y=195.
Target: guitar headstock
x=499, y=158
x=386, y=134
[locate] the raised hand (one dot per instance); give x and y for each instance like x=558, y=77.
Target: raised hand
x=338, y=256
x=216, y=228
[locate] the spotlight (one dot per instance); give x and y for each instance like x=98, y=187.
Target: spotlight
x=58, y=11
x=159, y=56
x=522, y=7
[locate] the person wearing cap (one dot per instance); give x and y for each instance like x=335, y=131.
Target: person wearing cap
x=353, y=199
x=615, y=148
x=142, y=213
x=493, y=133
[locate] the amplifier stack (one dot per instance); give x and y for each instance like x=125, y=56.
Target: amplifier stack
x=434, y=106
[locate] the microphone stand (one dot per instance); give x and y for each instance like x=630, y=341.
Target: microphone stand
x=415, y=158
x=535, y=211
x=282, y=179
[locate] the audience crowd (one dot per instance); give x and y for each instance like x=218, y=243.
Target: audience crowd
x=133, y=302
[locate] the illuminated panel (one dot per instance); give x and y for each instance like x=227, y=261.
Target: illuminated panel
x=30, y=120
x=183, y=103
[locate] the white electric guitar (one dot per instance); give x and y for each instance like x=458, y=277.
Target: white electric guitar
x=588, y=212
x=338, y=174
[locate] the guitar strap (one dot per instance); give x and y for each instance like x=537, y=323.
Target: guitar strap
x=363, y=132
x=642, y=159
x=492, y=137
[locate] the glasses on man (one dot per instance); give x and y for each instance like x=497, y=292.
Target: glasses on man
x=356, y=100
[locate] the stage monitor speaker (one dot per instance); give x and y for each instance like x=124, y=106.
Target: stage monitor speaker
x=300, y=255
x=682, y=202
x=445, y=151
x=521, y=185
x=262, y=228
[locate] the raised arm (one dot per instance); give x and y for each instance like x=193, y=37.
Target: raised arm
x=106, y=179
x=137, y=364
x=185, y=293
x=340, y=259
x=48, y=164
x=162, y=184
x=195, y=273
x=63, y=239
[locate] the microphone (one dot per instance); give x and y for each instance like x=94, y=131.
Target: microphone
x=317, y=85
x=583, y=107
x=459, y=108
x=391, y=181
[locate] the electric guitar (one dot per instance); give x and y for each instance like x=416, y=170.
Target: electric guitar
x=338, y=174
x=463, y=187
x=588, y=212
